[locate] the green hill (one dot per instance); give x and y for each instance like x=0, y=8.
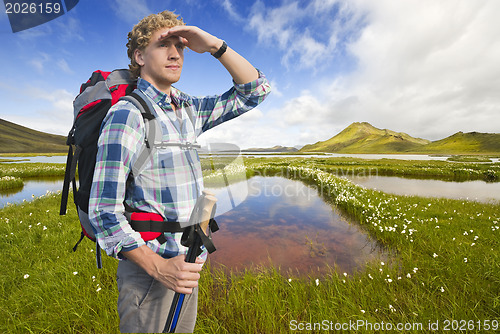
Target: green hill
x=364, y=138
x=464, y=143
x=15, y=138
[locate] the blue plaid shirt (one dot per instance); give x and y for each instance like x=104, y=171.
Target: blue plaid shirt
x=171, y=179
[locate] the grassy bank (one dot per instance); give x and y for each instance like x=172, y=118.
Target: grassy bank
x=32, y=170
x=446, y=266
x=10, y=182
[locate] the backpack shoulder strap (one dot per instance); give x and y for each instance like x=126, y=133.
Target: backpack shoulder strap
x=140, y=101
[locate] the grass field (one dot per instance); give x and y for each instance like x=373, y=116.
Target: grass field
x=446, y=266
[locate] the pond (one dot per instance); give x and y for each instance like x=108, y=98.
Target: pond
x=62, y=158
x=287, y=224
x=32, y=188
x=470, y=190
x=38, y=158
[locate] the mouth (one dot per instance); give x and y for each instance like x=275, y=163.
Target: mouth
x=173, y=67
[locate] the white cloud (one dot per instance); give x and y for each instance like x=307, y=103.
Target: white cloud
x=44, y=61
x=53, y=112
x=131, y=11
x=309, y=36
x=276, y=89
x=229, y=8
x=39, y=61
x=63, y=65
x=237, y=131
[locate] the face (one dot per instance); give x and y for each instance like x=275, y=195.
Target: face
x=161, y=61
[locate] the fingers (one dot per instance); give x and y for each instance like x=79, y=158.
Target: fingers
x=181, y=31
x=178, y=275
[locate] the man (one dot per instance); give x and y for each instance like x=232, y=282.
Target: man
x=171, y=181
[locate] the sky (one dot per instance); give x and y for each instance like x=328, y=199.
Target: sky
x=424, y=67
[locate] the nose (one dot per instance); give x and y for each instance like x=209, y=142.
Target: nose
x=173, y=52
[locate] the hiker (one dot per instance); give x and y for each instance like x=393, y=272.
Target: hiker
x=150, y=272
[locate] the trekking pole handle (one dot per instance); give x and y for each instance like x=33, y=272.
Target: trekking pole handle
x=207, y=207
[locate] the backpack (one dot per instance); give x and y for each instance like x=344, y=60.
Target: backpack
x=97, y=95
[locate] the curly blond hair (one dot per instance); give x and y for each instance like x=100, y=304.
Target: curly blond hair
x=140, y=35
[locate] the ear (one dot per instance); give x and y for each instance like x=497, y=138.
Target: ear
x=138, y=57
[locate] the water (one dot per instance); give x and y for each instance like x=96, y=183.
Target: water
x=62, y=158
x=287, y=224
x=470, y=190
x=32, y=188
x=339, y=155
x=39, y=158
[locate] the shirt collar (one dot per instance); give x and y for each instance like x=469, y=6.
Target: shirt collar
x=160, y=98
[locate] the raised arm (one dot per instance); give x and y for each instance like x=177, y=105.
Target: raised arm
x=200, y=41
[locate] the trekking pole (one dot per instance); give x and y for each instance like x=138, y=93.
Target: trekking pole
x=203, y=212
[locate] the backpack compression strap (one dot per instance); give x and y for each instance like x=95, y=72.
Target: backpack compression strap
x=152, y=225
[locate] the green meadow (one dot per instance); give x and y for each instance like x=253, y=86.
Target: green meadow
x=444, y=272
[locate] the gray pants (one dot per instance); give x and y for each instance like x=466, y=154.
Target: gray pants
x=143, y=302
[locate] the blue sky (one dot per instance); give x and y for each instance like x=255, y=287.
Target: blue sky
x=427, y=68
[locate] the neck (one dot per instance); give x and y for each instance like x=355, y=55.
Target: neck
x=162, y=87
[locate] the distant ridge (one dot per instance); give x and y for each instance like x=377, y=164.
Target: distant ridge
x=465, y=143
x=276, y=148
x=16, y=138
x=365, y=138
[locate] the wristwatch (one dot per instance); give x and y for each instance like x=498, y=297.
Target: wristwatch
x=221, y=50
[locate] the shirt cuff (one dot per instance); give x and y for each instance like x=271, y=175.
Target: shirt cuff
x=254, y=87
x=115, y=244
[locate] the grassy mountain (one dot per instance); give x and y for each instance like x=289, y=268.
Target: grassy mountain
x=15, y=138
x=464, y=143
x=365, y=138
x=276, y=148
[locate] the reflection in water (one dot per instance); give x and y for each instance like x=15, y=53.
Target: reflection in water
x=286, y=223
x=470, y=190
x=32, y=188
